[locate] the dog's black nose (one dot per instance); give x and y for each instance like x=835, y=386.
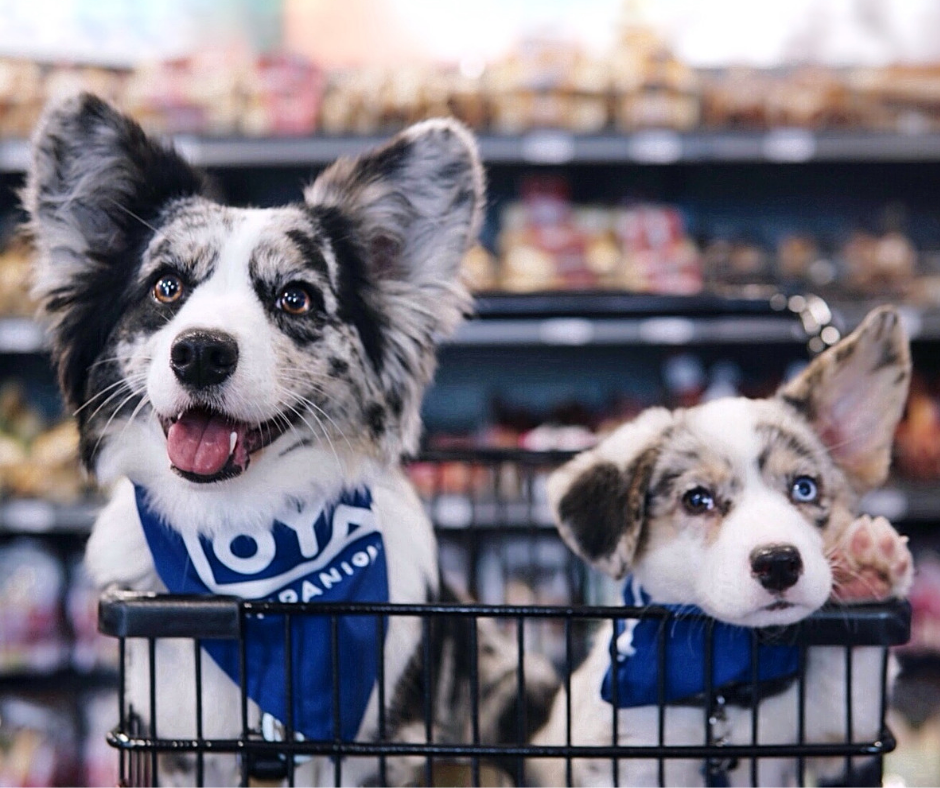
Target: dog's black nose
x=776, y=566
x=203, y=358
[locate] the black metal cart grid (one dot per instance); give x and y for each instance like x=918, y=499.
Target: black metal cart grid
x=505, y=506
x=133, y=616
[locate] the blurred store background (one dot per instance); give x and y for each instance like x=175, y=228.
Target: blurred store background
x=658, y=170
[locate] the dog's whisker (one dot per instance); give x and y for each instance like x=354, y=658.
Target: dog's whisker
x=318, y=409
x=102, y=361
x=114, y=395
x=145, y=401
x=113, y=390
x=105, y=390
x=117, y=410
x=339, y=463
x=288, y=397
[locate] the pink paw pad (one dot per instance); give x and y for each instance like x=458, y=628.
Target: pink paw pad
x=871, y=562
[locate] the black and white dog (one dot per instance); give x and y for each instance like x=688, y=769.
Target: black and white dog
x=248, y=381
x=745, y=510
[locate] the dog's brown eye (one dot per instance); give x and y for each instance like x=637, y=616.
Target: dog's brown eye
x=698, y=500
x=169, y=288
x=295, y=300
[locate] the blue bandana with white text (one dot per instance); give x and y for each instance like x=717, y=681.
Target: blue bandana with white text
x=330, y=553
x=637, y=649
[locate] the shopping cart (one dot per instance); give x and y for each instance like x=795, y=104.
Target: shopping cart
x=497, y=545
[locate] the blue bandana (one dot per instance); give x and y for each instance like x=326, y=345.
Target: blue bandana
x=332, y=553
x=637, y=644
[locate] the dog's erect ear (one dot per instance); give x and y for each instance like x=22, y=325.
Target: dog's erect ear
x=413, y=207
x=599, y=498
x=854, y=396
x=400, y=219
x=94, y=189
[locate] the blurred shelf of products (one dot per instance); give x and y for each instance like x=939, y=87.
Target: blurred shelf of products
x=545, y=81
x=678, y=210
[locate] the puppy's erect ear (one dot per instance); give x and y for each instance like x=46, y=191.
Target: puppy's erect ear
x=400, y=219
x=854, y=395
x=95, y=188
x=599, y=498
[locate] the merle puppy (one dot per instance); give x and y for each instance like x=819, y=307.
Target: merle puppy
x=746, y=510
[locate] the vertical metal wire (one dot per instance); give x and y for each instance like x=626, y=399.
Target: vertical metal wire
x=849, y=727
x=152, y=653
x=137, y=762
x=200, y=755
x=661, y=656
x=569, y=776
x=755, y=701
x=337, y=720
x=884, y=704
x=428, y=697
x=615, y=702
x=472, y=544
x=380, y=657
x=289, y=692
x=575, y=578
x=709, y=657
x=243, y=684
x=501, y=521
x=122, y=709
x=474, y=700
x=142, y=770
x=532, y=535
x=520, y=687
x=801, y=717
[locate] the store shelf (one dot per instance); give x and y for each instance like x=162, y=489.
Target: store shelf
x=921, y=323
x=899, y=501
x=574, y=331
x=35, y=516
x=603, y=318
x=453, y=511
x=611, y=318
x=784, y=145
x=907, y=502
x=573, y=318
x=21, y=335
x=57, y=681
x=598, y=318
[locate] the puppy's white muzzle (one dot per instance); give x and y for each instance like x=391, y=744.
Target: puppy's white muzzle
x=766, y=567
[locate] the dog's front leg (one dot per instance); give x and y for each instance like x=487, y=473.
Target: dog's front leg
x=117, y=554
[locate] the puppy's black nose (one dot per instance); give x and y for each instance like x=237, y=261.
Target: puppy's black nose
x=203, y=358
x=776, y=566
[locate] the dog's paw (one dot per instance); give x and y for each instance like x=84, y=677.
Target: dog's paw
x=871, y=562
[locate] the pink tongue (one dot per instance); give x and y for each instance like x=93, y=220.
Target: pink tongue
x=200, y=442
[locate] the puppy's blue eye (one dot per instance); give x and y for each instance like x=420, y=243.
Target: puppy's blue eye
x=698, y=500
x=295, y=300
x=168, y=288
x=804, y=489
